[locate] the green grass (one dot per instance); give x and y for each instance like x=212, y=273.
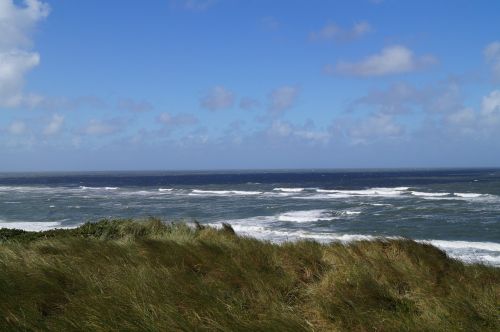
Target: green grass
x=125, y=275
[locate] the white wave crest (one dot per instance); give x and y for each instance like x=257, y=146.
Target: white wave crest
x=97, y=188
x=469, y=195
x=470, y=252
x=351, y=213
x=306, y=216
x=488, y=246
x=198, y=192
x=31, y=226
x=325, y=196
x=263, y=227
x=427, y=194
x=290, y=190
x=367, y=192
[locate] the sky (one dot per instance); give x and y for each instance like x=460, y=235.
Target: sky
x=239, y=84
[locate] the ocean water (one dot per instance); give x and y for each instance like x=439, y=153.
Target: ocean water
x=457, y=210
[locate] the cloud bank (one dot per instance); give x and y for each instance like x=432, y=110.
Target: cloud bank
x=390, y=60
x=16, y=58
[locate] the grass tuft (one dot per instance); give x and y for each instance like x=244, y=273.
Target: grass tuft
x=131, y=275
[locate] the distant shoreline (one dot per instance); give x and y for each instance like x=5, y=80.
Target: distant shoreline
x=249, y=170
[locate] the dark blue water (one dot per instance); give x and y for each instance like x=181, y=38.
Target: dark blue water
x=456, y=209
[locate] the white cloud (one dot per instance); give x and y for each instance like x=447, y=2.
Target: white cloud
x=491, y=103
x=17, y=128
x=492, y=56
x=177, y=120
x=193, y=5
x=282, y=99
x=394, y=59
x=463, y=117
x=67, y=104
x=13, y=67
x=490, y=110
x=249, y=103
x=374, y=127
x=397, y=98
x=17, y=23
x=331, y=31
x=402, y=97
x=217, y=98
x=306, y=133
x=280, y=128
x=16, y=60
x=134, y=106
x=54, y=126
x=101, y=128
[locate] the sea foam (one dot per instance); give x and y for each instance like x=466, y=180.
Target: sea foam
x=32, y=226
x=306, y=216
x=427, y=194
x=198, y=192
x=290, y=190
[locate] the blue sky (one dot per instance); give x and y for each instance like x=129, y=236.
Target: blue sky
x=225, y=84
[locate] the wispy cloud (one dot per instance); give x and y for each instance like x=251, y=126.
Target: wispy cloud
x=249, y=104
x=193, y=5
x=270, y=23
x=131, y=105
x=332, y=31
x=282, y=99
x=401, y=97
x=97, y=127
x=390, y=60
x=17, y=127
x=306, y=133
x=54, y=126
x=492, y=56
x=217, y=98
x=177, y=120
x=490, y=107
x=375, y=127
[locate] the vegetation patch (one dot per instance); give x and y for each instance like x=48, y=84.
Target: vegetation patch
x=126, y=275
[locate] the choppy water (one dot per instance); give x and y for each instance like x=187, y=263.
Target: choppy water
x=457, y=210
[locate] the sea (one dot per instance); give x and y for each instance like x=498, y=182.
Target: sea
x=457, y=210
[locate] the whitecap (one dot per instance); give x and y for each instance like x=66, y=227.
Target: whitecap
x=351, y=213
x=306, y=216
x=487, y=246
x=198, y=192
x=469, y=195
x=165, y=189
x=325, y=196
x=264, y=227
x=290, y=190
x=259, y=228
x=470, y=252
x=384, y=192
x=97, y=188
x=427, y=194
x=32, y=226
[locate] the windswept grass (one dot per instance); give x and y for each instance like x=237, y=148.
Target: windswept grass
x=124, y=275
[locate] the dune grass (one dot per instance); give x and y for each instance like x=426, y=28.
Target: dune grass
x=126, y=275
